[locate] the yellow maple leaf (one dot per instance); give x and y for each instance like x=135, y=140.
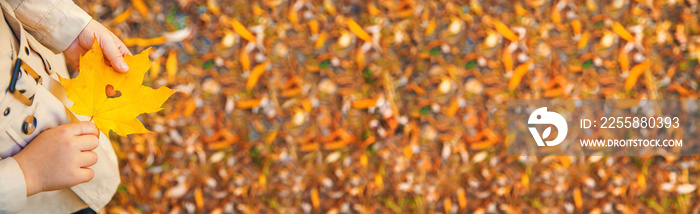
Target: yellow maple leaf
x=89, y=92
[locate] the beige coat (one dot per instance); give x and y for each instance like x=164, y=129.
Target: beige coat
x=36, y=103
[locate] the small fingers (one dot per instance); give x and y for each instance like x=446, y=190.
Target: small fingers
x=113, y=48
x=73, y=61
x=87, y=159
x=121, y=46
x=73, y=53
x=125, y=51
x=84, y=175
x=81, y=52
x=112, y=53
x=87, y=142
x=84, y=128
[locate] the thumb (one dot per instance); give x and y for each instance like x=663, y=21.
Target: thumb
x=72, y=55
x=113, y=54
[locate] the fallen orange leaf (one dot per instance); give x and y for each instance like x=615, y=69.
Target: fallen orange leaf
x=313, y=26
x=505, y=31
x=576, y=26
x=364, y=104
x=430, y=29
x=155, y=68
x=335, y=145
x=565, y=161
x=357, y=30
x=262, y=180
x=315, y=199
x=624, y=60
x=255, y=74
x=476, y=7
x=141, y=7
x=330, y=8
x=257, y=10
x=248, y=104
x=379, y=181
x=141, y=42
x=244, y=59
x=241, y=30
x=213, y=7
x=360, y=59
x=507, y=60
x=461, y=199
x=199, y=198
x=583, y=41
x=578, y=200
x=634, y=74
x=448, y=205
x=306, y=104
x=308, y=147
x=123, y=16
x=622, y=32
x=363, y=160
x=520, y=10
x=292, y=16
x=518, y=74
x=408, y=151
x=171, y=64
x=452, y=109
x=556, y=16
x=321, y=40
x=680, y=89
x=641, y=181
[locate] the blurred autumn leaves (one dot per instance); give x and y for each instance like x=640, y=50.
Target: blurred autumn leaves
x=393, y=106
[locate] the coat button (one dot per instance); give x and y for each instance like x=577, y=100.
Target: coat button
x=29, y=125
x=7, y=112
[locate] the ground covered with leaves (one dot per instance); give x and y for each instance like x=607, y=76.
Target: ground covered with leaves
x=394, y=106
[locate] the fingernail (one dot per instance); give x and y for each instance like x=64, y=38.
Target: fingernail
x=123, y=66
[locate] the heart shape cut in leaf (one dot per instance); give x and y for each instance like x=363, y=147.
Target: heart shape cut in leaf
x=127, y=97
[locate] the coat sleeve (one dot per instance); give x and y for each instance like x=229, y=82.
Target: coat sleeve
x=13, y=189
x=55, y=23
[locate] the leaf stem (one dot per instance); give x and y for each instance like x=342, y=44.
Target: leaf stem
x=98, y=130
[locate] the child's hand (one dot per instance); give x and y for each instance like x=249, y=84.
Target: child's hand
x=113, y=48
x=58, y=158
